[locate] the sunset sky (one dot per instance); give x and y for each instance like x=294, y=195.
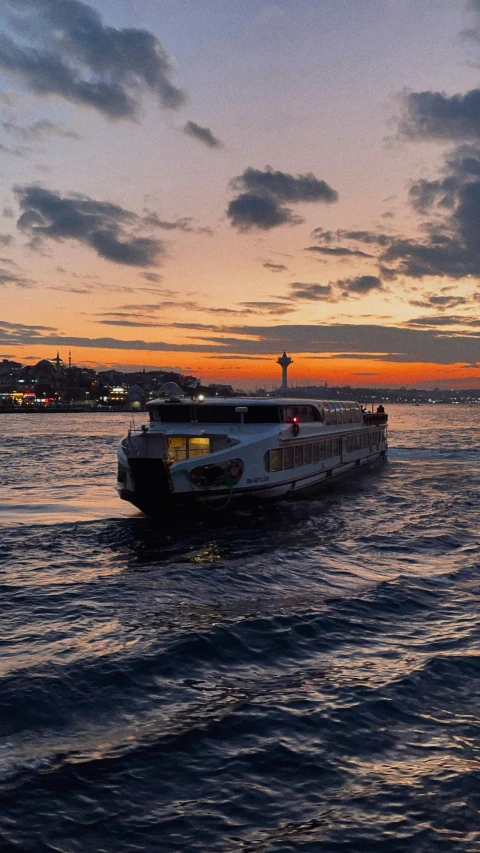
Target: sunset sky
x=202, y=184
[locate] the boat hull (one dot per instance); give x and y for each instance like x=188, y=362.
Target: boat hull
x=150, y=489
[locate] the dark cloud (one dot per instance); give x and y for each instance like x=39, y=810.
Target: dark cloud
x=334, y=291
x=369, y=237
x=385, y=343
x=306, y=290
x=251, y=210
x=440, y=303
x=263, y=196
x=338, y=251
x=105, y=227
x=434, y=115
x=38, y=131
x=64, y=49
x=360, y=285
x=275, y=267
x=204, y=134
x=444, y=320
x=274, y=308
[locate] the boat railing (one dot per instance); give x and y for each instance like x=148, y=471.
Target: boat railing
x=375, y=418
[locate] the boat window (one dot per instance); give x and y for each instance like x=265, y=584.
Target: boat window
x=315, y=453
x=335, y=447
x=182, y=413
x=304, y=414
x=288, y=457
x=321, y=448
x=171, y=414
x=276, y=460
x=181, y=447
x=307, y=454
x=177, y=448
x=227, y=415
x=198, y=447
x=299, y=455
x=328, y=448
x=333, y=413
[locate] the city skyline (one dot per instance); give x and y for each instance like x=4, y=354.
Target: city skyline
x=197, y=188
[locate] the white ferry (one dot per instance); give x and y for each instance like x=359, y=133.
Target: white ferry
x=219, y=452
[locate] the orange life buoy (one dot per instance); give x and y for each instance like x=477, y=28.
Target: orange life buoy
x=295, y=428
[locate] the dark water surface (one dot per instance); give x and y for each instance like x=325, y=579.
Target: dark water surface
x=305, y=678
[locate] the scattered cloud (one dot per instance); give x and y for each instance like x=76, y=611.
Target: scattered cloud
x=338, y=251
x=275, y=267
x=38, y=131
x=334, y=291
x=312, y=291
x=64, y=49
x=263, y=196
x=153, y=220
x=107, y=228
x=203, y=134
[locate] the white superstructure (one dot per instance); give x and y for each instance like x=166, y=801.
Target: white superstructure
x=220, y=451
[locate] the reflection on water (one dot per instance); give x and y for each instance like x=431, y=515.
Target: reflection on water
x=300, y=677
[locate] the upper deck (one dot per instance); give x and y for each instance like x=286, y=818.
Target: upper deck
x=235, y=410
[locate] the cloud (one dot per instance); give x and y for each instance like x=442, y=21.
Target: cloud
x=334, y=291
x=153, y=220
x=8, y=277
x=434, y=115
x=203, y=134
x=451, y=246
x=385, y=343
x=275, y=267
x=361, y=285
x=66, y=50
x=338, y=251
x=39, y=130
x=263, y=196
x=440, y=303
x=105, y=227
x=444, y=320
x=369, y=237
x=311, y=291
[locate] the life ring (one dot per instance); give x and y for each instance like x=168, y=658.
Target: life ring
x=295, y=428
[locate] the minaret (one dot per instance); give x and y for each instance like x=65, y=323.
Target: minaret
x=57, y=362
x=284, y=363
x=70, y=358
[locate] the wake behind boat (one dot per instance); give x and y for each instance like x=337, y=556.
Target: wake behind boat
x=222, y=451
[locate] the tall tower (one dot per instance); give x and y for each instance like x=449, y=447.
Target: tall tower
x=284, y=363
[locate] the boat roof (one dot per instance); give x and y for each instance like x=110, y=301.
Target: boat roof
x=250, y=401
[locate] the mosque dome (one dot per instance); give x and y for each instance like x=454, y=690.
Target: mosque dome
x=170, y=389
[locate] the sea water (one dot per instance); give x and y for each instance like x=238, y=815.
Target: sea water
x=305, y=677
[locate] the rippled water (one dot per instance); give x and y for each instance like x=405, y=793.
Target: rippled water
x=302, y=678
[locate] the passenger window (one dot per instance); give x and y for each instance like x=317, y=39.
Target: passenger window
x=315, y=453
x=328, y=449
x=177, y=448
x=288, y=459
x=322, y=449
x=298, y=456
x=198, y=447
x=276, y=460
x=307, y=454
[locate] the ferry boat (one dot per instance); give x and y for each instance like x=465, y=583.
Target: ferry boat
x=222, y=452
